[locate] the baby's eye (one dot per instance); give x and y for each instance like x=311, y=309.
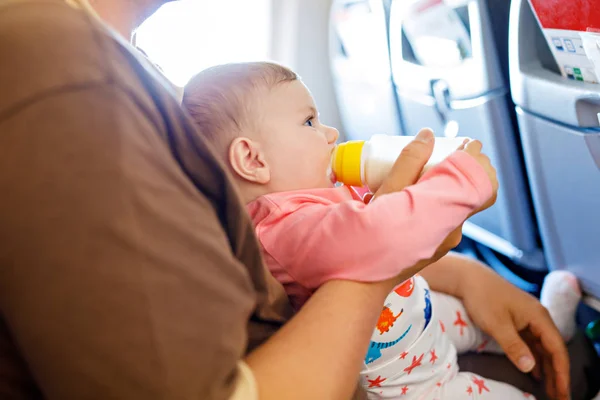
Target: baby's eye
x=309, y=122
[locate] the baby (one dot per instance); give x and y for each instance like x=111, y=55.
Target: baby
x=264, y=123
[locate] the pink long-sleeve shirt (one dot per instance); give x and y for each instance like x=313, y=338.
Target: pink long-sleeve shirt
x=312, y=236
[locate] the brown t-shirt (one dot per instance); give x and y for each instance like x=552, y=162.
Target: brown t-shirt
x=128, y=267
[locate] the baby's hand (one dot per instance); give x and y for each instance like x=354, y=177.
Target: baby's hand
x=473, y=148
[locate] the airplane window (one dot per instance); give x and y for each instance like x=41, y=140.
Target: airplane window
x=438, y=33
x=360, y=31
x=187, y=36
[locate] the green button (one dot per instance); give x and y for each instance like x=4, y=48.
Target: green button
x=593, y=330
x=577, y=71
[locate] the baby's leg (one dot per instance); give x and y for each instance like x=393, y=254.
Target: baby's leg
x=560, y=295
x=455, y=322
x=466, y=385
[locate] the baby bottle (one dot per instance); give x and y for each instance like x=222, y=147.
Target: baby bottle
x=367, y=163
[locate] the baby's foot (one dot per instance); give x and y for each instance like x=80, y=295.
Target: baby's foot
x=561, y=295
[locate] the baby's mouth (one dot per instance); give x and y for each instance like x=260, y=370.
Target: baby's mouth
x=331, y=175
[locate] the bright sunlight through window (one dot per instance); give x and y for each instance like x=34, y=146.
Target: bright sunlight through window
x=187, y=36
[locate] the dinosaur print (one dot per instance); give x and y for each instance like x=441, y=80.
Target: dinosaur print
x=427, y=309
x=387, y=319
x=374, y=352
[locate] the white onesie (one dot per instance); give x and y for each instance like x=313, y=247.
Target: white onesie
x=413, y=350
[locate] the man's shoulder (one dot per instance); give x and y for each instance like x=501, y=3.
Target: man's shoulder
x=47, y=46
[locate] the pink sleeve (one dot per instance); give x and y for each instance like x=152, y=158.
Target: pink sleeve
x=318, y=241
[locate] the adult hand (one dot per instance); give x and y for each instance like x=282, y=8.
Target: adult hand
x=517, y=321
x=409, y=164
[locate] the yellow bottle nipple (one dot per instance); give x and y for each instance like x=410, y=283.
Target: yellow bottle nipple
x=346, y=162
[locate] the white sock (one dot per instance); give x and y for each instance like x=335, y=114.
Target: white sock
x=561, y=295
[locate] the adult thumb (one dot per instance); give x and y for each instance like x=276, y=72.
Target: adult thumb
x=409, y=164
x=515, y=348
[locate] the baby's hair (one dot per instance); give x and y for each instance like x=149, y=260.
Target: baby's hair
x=222, y=99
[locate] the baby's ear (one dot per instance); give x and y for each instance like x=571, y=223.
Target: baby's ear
x=247, y=159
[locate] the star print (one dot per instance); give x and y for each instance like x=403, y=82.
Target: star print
x=403, y=355
x=415, y=363
x=443, y=327
x=480, y=385
x=449, y=366
x=439, y=384
x=433, y=357
x=482, y=345
x=470, y=390
x=527, y=395
x=376, y=382
x=460, y=322
x=404, y=390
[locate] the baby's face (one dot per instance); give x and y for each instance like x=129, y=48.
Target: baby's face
x=297, y=146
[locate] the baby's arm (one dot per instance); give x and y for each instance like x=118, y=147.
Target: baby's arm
x=315, y=241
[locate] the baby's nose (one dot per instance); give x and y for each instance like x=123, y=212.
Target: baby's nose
x=332, y=135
